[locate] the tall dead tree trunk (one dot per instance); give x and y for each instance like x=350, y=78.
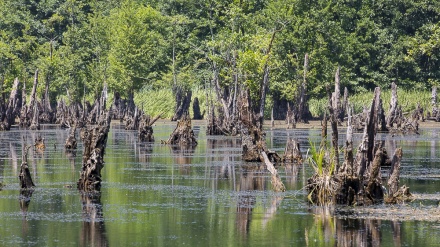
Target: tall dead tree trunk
x=95, y=141
x=183, y=101
x=302, y=102
x=336, y=102
x=196, y=110
x=392, y=113
x=435, y=110
x=35, y=124
x=33, y=99
x=10, y=114
x=333, y=112
x=71, y=142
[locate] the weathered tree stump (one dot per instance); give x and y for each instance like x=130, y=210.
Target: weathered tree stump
x=292, y=153
x=146, y=128
x=39, y=143
x=396, y=194
x=9, y=116
x=35, y=124
x=183, y=133
x=183, y=101
x=95, y=141
x=435, y=115
x=358, y=181
x=132, y=120
x=303, y=110
x=196, y=110
x=71, y=142
x=25, y=175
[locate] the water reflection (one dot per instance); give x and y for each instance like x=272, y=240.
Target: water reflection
x=343, y=231
x=93, y=228
x=182, y=156
x=24, y=201
x=250, y=179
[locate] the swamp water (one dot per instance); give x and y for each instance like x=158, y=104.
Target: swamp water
x=157, y=195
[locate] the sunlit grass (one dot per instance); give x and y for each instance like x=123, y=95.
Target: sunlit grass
x=407, y=100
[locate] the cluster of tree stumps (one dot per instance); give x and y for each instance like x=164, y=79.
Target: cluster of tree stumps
x=358, y=180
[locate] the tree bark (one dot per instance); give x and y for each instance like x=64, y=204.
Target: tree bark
x=12, y=104
x=95, y=141
x=302, y=104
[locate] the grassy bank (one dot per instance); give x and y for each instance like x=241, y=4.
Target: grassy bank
x=162, y=101
x=407, y=100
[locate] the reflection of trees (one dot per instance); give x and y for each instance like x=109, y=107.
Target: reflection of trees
x=145, y=151
x=292, y=171
x=250, y=179
x=93, y=228
x=331, y=230
x=182, y=156
x=220, y=158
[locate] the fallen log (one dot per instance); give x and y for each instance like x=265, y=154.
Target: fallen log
x=277, y=184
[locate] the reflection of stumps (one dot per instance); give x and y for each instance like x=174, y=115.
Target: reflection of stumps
x=93, y=231
x=183, y=133
x=25, y=176
x=95, y=140
x=71, y=142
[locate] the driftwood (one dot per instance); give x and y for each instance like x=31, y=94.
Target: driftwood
x=277, y=184
x=95, y=141
x=71, y=142
x=25, y=175
x=146, y=128
x=183, y=133
x=292, y=153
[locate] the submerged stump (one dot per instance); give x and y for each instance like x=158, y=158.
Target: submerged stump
x=292, y=153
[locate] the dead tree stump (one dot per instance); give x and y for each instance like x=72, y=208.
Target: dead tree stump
x=292, y=153
x=183, y=100
x=71, y=142
x=95, y=141
x=396, y=194
x=358, y=181
x=146, y=128
x=183, y=133
x=9, y=116
x=35, y=124
x=196, y=110
x=25, y=175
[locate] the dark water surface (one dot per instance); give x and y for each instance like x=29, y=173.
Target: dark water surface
x=157, y=195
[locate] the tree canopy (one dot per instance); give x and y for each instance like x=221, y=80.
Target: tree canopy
x=79, y=45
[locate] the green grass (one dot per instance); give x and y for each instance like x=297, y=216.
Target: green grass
x=162, y=101
x=406, y=99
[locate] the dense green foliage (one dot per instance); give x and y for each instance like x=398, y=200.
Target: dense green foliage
x=131, y=45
